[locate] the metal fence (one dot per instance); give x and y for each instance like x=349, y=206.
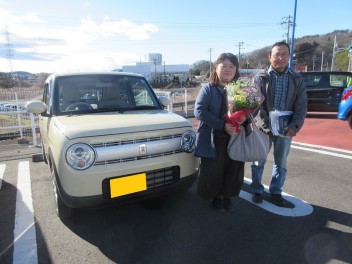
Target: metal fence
x=181, y=100
x=16, y=122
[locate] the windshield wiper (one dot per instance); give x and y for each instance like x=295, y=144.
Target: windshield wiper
x=144, y=107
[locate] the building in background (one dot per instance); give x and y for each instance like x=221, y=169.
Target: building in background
x=156, y=71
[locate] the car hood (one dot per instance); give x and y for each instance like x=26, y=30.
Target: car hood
x=100, y=124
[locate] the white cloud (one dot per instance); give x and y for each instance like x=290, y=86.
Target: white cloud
x=86, y=4
x=38, y=46
x=123, y=26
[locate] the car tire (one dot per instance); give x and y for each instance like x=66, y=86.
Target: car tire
x=63, y=211
x=37, y=157
x=44, y=156
x=350, y=121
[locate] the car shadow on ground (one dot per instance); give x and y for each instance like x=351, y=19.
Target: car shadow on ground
x=182, y=228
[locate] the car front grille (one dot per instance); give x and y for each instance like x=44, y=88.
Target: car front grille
x=137, y=149
x=155, y=178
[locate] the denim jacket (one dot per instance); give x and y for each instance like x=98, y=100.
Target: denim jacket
x=207, y=110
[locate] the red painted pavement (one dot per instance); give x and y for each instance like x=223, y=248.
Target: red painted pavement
x=323, y=129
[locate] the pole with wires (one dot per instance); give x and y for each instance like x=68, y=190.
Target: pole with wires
x=293, y=37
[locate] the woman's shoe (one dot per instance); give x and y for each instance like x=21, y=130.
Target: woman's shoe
x=218, y=204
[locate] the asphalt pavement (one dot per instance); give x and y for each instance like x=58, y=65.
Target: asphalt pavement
x=182, y=228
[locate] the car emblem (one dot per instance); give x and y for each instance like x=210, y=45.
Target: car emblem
x=143, y=149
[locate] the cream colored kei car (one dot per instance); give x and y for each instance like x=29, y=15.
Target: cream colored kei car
x=107, y=139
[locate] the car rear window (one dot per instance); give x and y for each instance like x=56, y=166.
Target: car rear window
x=338, y=80
x=312, y=80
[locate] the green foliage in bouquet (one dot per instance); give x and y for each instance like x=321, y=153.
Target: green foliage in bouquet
x=243, y=96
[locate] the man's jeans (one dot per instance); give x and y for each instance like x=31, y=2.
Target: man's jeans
x=281, y=149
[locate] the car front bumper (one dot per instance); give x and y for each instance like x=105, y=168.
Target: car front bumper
x=104, y=200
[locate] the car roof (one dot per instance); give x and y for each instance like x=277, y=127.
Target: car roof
x=112, y=73
x=327, y=72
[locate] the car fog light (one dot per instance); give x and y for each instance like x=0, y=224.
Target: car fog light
x=188, y=140
x=80, y=156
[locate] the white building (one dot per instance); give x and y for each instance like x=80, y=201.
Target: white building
x=156, y=71
x=155, y=58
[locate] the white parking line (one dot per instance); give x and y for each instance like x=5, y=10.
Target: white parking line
x=25, y=242
x=2, y=171
x=302, y=208
x=323, y=152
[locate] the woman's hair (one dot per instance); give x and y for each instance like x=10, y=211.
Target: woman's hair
x=213, y=77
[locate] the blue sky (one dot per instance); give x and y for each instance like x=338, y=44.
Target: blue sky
x=51, y=36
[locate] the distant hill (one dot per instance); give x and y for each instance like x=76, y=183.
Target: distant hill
x=309, y=51
x=21, y=74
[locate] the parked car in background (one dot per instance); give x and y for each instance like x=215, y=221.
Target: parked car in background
x=2, y=104
x=324, y=89
x=107, y=139
x=13, y=107
x=345, y=106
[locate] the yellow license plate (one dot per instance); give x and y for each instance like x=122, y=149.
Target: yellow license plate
x=128, y=184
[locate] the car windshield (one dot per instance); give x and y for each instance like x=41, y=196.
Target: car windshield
x=104, y=93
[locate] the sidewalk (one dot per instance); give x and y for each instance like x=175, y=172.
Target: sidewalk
x=322, y=129
x=14, y=149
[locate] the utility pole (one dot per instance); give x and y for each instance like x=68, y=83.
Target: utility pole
x=210, y=50
x=293, y=37
x=289, y=24
x=240, y=44
x=154, y=70
x=333, y=54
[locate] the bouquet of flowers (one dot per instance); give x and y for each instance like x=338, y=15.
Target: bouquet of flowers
x=243, y=99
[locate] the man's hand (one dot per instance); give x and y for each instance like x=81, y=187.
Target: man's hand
x=290, y=133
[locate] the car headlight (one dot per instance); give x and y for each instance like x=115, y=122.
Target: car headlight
x=80, y=156
x=188, y=140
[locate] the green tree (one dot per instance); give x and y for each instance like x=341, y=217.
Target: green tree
x=341, y=62
x=306, y=54
x=200, y=67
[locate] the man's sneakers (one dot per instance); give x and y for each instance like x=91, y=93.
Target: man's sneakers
x=257, y=198
x=278, y=200
x=228, y=205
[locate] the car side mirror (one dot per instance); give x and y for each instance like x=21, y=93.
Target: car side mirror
x=164, y=100
x=36, y=107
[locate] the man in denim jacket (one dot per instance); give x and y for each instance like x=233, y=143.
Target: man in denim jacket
x=284, y=90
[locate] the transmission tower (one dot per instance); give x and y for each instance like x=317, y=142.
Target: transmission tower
x=9, y=51
x=12, y=80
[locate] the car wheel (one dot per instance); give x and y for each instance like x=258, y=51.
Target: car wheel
x=62, y=210
x=44, y=156
x=37, y=157
x=350, y=121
